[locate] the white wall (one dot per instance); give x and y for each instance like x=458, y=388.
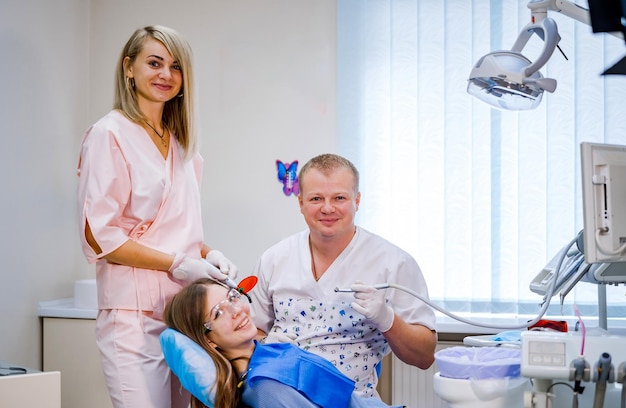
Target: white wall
x=44, y=105
x=266, y=79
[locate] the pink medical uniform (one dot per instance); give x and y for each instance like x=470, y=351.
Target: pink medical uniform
x=127, y=191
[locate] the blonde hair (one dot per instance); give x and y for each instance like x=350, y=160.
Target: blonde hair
x=186, y=312
x=326, y=163
x=178, y=113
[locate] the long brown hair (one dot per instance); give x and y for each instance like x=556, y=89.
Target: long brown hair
x=186, y=313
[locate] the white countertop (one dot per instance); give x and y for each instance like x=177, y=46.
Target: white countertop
x=6, y=369
x=65, y=308
x=485, y=323
x=447, y=324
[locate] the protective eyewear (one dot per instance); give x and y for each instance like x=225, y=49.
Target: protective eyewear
x=233, y=300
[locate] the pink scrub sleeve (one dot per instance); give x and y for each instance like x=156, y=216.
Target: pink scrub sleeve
x=104, y=187
x=122, y=183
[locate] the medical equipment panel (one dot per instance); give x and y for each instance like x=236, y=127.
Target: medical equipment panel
x=551, y=355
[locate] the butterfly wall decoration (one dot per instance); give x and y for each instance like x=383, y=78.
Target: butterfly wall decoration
x=288, y=175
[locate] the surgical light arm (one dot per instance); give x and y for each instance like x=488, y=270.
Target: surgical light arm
x=507, y=79
x=548, y=32
x=539, y=10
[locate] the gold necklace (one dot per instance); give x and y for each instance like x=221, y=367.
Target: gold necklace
x=161, y=136
x=245, y=373
x=243, y=378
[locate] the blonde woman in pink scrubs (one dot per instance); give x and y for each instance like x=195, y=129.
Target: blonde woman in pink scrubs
x=140, y=214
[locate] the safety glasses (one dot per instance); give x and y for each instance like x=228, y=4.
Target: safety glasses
x=232, y=303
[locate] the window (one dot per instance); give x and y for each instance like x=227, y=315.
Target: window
x=482, y=198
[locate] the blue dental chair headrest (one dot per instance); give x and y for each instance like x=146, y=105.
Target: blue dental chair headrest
x=191, y=364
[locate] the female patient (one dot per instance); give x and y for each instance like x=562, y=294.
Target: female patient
x=252, y=374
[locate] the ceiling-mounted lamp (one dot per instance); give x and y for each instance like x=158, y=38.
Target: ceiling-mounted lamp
x=507, y=79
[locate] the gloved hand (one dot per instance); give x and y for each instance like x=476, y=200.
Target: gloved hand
x=370, y=302
x=188, y=269
x=278, y=337
x=217, y=259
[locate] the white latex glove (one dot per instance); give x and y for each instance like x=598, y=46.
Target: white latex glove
x=217, y=259
x=188, y=269
x=276, y=337
x=370, y=302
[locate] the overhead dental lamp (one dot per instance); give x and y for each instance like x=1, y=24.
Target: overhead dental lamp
x=507, y=79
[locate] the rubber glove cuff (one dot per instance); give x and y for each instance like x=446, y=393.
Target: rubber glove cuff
x=178, y=259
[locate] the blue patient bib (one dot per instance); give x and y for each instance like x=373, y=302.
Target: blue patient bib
x=310, y=374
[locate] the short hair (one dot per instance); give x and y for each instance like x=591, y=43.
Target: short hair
x=178, y=114
x=326, y=163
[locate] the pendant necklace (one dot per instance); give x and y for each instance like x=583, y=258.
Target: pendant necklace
x=161, y=136
x=243, y=376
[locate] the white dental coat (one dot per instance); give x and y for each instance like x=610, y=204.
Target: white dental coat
x=288, y=300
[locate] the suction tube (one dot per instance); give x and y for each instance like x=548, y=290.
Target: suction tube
x=603, y=371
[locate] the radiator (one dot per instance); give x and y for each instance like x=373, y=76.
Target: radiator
x=413, y=387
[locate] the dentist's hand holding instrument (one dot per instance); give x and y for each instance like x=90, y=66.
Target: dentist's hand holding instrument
x=370, y=302
x=217, y=259
x=189, y=269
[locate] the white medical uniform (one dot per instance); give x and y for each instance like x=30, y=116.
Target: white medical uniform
x=288, y=300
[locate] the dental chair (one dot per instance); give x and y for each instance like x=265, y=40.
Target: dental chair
x=191, y=364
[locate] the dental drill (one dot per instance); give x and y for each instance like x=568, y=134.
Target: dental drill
x=376, y=286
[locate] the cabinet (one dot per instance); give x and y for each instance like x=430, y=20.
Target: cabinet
x=69, y=346
x=33, y=389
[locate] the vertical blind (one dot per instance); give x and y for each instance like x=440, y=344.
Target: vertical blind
x=482, y=198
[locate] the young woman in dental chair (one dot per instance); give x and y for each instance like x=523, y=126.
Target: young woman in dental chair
x=248, y=373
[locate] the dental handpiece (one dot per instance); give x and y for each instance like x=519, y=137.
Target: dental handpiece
x=231, y=284
x=376, y=286
x=182, y=275
x=228, y=281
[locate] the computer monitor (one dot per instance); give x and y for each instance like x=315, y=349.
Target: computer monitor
x=607, y=15
x=604, y=201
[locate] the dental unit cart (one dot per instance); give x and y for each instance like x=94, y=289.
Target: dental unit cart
x=24, y=387
x=551, y=356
